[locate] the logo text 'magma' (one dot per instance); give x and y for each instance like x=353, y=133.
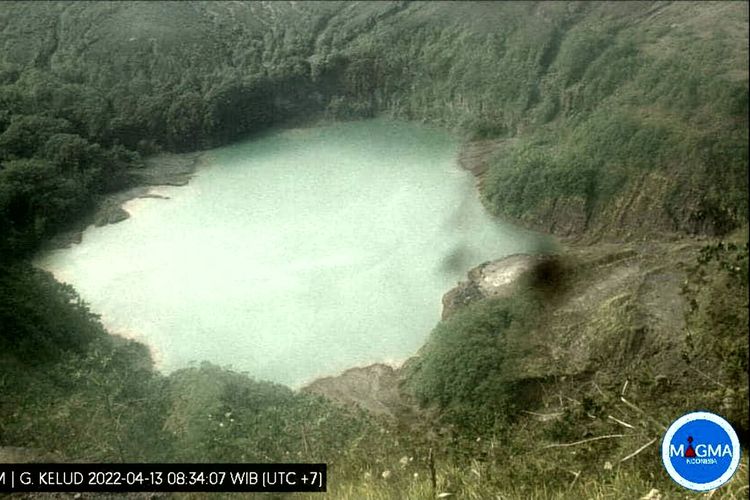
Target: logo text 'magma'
x=702, y=450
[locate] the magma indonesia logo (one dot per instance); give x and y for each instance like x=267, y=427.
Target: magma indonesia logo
x=700, y=451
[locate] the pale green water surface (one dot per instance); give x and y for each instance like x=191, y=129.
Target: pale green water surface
x=294, y=255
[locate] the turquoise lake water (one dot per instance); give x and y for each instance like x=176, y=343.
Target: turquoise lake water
x=295, y=254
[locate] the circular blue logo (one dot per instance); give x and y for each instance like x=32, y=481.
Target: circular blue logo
x=700, y=451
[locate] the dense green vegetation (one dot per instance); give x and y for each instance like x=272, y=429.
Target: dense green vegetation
x=717, y=319
x=610, y=121
x=70, y=388
x=467, y=367
x=602, y=101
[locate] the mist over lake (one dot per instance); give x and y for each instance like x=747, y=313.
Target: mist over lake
x=294, y=254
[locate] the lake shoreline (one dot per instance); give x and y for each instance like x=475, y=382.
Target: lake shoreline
x=169, y=169
x=177, y=170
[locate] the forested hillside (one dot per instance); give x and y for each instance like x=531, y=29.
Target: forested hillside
x=617, y=122
x=634, y=112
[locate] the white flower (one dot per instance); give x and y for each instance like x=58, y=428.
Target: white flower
x=386, y=474
x=607, y=465
x=403, y=461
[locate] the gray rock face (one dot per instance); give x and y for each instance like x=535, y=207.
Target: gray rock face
x=373, y=388
x=497, y=278
x=110, y=214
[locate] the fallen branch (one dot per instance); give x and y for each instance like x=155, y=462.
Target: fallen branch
x=565, y=445
x=638, y=450
x=625, y=424
x=631, y=405
x=573, y=400
x=433, y=474
x=543, y=416
x=577, y=475
x=707, y=377
x=624, y=388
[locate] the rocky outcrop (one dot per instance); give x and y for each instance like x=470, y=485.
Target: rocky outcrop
x=498, y=278
x=474, y=156
x=617, y=302
x=373, y=388
x=110, y=213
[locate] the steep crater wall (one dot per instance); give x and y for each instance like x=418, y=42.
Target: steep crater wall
x=604, y=120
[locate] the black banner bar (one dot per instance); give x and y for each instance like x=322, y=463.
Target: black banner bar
x=121, y=478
